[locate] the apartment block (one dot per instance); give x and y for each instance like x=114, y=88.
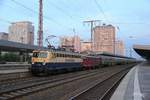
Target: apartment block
x=71, y=42
x=22, y=32
x=85, y=46
x=3, y=36
x=119, y=47
x=103, y=39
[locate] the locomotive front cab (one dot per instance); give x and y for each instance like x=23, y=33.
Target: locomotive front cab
x=39, y=61
x=40, y=57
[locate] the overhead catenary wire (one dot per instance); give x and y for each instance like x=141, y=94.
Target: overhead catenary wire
x=61, y=10
x=71, y=17
x=5, y=21
x=33, y=11
x=100, y=9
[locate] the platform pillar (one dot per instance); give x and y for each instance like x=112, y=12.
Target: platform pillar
x=21, y=56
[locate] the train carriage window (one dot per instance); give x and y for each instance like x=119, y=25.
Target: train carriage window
x=79, y=56
x=64, y=55
x=76, y=56
x=58, y=54
x=69, y=55
x=61, y=55
x=53, y=55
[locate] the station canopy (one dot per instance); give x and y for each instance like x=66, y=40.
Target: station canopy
x=143, y=51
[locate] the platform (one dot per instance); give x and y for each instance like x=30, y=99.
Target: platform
x=14, y=68
x=135, y=85
x=13, y=71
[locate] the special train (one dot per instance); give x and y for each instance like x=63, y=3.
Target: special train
x=51, y=61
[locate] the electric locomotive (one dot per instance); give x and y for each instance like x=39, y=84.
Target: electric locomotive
x=91, y=61
x=51, y=61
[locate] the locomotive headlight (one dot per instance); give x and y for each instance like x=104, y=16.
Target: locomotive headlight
x=44, y=63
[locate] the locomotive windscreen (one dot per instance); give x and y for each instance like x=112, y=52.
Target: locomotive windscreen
x=40, y=54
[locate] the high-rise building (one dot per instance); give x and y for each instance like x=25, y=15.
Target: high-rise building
x=85, y=46
x=3, y=36
x=77, y=43
x=104, y=39
x=71, y=42
x=119, y=47
x=22, y=32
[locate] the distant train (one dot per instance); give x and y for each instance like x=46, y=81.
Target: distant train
x=52, y=61
x=92, y=61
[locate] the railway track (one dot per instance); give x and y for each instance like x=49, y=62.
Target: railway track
x=15, y=90
x=24, y=80
x=102, y=90
x=21, y=89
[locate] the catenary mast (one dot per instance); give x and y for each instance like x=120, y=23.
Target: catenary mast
x=40, y=25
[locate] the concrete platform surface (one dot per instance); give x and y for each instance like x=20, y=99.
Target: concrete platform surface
x=13, y=71
x=135, y=85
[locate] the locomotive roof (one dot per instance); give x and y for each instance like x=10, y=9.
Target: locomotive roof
x=109, y=55
x=60, y=51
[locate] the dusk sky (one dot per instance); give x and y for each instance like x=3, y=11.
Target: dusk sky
x=132, y=17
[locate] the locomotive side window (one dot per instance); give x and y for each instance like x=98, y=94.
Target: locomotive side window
x=42, y=55
x=36, y=54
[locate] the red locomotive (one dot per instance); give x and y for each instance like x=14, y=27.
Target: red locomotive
x=91, y=62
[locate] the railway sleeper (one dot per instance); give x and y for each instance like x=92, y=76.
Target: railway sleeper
x=3, y=98
x=15, y=93
x=8, y=95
